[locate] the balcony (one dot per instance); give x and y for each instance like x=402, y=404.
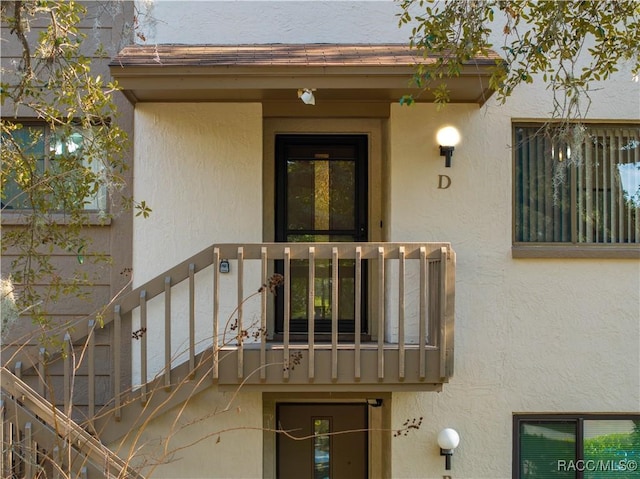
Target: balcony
x=196, y=326
x=403, y=303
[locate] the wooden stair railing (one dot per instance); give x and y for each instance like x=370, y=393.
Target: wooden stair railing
x=41, y=441
x=436, y=286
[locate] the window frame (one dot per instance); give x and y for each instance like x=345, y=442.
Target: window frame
x=571, y=249
x=579, y=418
x=19, y=216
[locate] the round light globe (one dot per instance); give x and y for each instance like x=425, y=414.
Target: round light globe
x=448, y=439
x=448, y=136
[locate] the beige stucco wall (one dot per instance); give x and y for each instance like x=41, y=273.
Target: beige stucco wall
x=189, y=159
x=531, y=335
x=199, y=168
x=217, y=435
x=272, y=21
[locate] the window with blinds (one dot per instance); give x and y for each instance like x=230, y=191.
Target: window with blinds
x=578, y=185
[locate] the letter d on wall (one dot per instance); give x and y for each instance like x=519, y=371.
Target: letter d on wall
x=444, y=182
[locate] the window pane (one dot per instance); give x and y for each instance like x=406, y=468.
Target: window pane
x=543, y=199
x=577, y=185
x=60, y=172
x=28, y=141
x=547, y=449
x=608, y=200
x=611, y=449
x=321, y=448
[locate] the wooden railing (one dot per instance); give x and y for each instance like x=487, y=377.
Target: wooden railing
x=38, y=440
x=410, y=290
x=435, y=290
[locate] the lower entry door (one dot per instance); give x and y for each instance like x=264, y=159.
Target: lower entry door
x=335, y=441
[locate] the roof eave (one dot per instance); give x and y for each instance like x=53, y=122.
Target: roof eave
x=270, y=83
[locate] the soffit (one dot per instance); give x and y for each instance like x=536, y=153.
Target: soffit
x=272, y=73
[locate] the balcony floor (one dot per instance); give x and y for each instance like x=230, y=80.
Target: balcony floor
x=329, y=369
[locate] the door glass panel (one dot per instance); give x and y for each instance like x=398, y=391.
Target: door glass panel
x=321, y=448
x=320, y=195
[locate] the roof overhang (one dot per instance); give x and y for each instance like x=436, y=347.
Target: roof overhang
x=273, y=73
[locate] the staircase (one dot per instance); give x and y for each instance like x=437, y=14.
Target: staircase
x=109, y=388
x=40, y=441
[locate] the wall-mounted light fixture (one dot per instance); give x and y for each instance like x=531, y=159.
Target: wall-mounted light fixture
x=448, y=137
x=306, y=95
x=448, y=440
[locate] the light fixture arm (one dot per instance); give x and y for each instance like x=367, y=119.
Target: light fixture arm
x=447, y=453
x=447, y=152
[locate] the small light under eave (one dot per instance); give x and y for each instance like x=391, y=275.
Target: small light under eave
x=306, y=95
x=448, y=137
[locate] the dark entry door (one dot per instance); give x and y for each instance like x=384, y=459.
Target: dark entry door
x=321, y=196
x=324, y=454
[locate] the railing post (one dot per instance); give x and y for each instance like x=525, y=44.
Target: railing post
x=3, y=440
x=9, y=445
x=167, y=332
x=286, y=313
x=67, y=351
x=447, y=312
x=401, y=278
x=42, y=382
x=240, y=288
x=143, y=346
x=380, y=313
x=263, y=314
x=334, y=314
x=442, y=312
x=216, y=313
x=117, y=367
x=91, y=365
x=192, y=320
x=425, y=299
x=28, y=454
x=311, y=311
x=358, y=313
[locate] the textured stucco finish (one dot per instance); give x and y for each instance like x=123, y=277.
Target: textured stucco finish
x=531, y=335
x=199, y=167
x=310, y=21
x=222, y=435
